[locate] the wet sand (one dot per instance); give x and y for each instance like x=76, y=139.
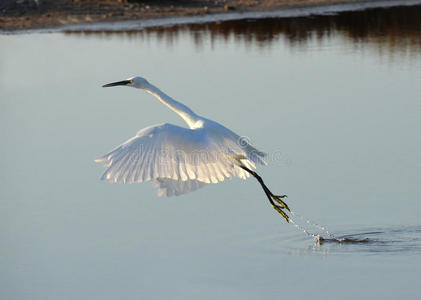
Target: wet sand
x=33, y=14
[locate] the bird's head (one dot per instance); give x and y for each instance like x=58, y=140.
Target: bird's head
x=136, y=82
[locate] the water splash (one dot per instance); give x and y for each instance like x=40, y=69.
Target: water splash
x=320, y=239
x=296, y=225
x=314, y=224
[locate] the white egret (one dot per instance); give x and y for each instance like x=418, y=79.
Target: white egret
x=180, y=160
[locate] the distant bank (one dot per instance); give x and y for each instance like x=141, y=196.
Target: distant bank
x=98, y=15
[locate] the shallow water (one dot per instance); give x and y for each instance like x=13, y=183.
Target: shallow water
x=334, y=100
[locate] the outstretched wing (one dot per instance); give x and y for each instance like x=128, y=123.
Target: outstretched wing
x=178, y=159
x=169, y=187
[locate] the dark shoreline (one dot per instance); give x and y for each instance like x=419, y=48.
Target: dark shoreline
x=67, y=13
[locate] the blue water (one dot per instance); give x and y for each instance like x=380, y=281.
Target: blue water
x=333, y=100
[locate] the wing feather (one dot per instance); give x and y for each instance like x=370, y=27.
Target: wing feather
x=179, y=160
x=169, y=187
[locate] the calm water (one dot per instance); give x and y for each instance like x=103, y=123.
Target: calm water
x=334, y=100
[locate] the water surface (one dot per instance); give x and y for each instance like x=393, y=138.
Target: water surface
x=334, y=100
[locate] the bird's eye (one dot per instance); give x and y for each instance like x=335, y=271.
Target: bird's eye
x=130, y=81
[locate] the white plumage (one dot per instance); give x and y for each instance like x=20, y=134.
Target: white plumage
x=179, y=160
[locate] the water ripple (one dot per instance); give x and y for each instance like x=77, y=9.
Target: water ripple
x=391, y=240
x=385, y=240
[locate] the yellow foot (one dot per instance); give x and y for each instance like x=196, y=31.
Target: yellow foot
x=279, y=210
x=282, y=203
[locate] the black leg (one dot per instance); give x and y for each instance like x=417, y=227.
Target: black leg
x=279, y=208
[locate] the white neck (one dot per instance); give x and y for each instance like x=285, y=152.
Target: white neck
x=183, y=111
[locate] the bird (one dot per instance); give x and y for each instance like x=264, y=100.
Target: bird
x=180, y=160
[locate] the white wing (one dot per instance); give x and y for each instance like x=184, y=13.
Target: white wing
x=169, y=187
x=179, y=160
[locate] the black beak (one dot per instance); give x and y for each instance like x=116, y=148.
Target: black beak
x=124, y=82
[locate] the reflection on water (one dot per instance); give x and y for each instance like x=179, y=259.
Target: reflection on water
x=401, y=240
x=393, y=240
x=349, y=125
x=391, y=30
